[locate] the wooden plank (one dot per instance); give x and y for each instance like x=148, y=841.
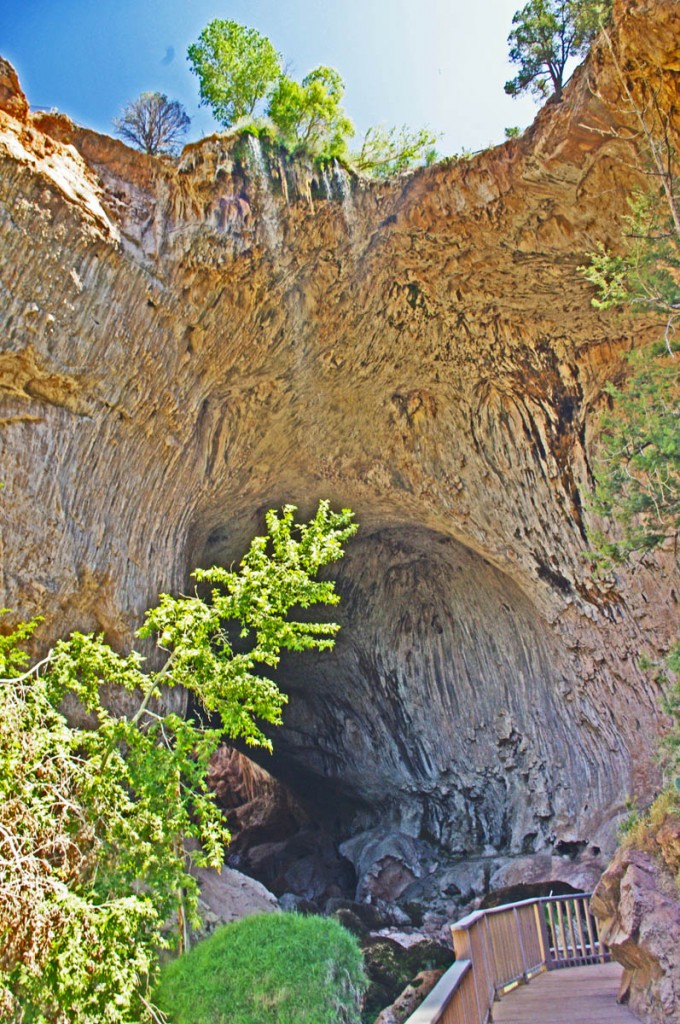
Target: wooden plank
x=579, y=995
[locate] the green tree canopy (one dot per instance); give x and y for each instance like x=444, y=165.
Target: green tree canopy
x=93, y=821
x=153, y=123
x=236, y=67
x=386, y=151
x=637, y=469
x=546, y=34
x=309, y=114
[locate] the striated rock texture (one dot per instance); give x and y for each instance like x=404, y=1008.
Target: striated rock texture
x=185, y=344
x=637, y=906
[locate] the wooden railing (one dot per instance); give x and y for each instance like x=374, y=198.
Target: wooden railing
x=499, y=948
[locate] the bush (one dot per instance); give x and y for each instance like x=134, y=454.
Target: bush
x=270, y=967
x=646, y=832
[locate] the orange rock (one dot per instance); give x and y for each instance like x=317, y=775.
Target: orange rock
x=12, y=99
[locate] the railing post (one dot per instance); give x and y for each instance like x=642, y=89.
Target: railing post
x=462, y=948
x=581, y=908
x=560, y=924
x=570, y=906
x=489, y=955
x=518, y=930
x=543, y=934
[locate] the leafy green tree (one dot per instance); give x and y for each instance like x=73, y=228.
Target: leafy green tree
x=153, y=123
x=93, y=822
x=236, y=68
x=546, y=34
x=87, y=820
x=309, y=114
x=637, y=470
x=646, y=276
x=387, y=151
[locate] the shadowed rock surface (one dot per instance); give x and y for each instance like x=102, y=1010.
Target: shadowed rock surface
x=186, y=344
x=412, y=996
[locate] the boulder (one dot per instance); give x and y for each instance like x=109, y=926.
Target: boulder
x=637, y=907
x=581, y=875
x=228, y=895
x=386, y=862
x=411, y=998
x=391, y=965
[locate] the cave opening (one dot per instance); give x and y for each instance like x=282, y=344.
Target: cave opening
x=417, y=757
x=527, y=891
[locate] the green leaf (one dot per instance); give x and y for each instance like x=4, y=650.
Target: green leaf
x=93, y=822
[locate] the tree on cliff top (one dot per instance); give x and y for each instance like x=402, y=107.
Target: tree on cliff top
x=309, y=113
x=93, y=821
x=546, y=34
x=236, y=67
x=386, y=151
x=153, y=123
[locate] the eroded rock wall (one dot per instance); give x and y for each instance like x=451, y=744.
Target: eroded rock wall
x=637, y=906
x=188, y=343
x=447, y=704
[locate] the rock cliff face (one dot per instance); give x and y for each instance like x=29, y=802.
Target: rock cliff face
x=188, y=343
x=637, y=905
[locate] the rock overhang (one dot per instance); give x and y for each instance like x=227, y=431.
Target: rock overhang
x=435, y=364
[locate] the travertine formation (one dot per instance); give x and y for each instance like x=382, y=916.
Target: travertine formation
x=188, y=343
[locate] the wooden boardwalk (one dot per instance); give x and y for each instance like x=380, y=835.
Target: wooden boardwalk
x=576, y=995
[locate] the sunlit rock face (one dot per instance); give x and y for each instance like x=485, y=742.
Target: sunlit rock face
x=185, y=344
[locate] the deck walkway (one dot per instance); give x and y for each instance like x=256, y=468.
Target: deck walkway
x=579, y=995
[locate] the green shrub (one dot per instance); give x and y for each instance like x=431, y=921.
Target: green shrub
x=282, y=968
x=646, y=832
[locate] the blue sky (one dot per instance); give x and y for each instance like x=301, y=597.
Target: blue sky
x=439, y=63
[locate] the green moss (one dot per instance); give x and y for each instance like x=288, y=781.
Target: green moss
x=270, y=967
